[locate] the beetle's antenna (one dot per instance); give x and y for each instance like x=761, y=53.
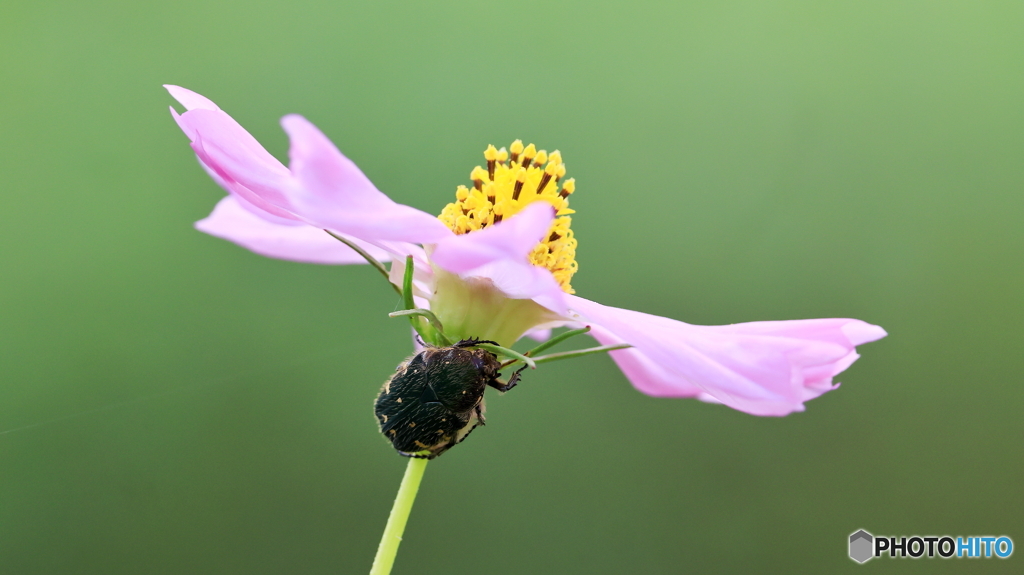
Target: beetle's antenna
x=473, y=342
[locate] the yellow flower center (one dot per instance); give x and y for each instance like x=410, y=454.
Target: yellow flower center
x=511, y=182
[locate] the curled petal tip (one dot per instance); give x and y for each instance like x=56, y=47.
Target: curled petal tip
x=294, y=122
x=190, y=99
x=861, y=332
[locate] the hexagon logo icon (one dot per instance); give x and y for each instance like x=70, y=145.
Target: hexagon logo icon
x=861, y=546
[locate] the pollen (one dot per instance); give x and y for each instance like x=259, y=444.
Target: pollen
x=511, y=180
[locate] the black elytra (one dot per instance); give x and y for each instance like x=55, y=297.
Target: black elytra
x=436, y=397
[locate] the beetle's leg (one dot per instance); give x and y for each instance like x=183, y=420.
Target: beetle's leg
x=512, y=381
x=479, y=421
x=473, y=341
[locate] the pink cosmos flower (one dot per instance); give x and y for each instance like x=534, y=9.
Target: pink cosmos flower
x=493, y=277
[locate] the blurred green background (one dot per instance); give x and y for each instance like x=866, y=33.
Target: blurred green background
x=170, y=403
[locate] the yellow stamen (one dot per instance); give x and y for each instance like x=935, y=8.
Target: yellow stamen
x=516, y=149
x=542, y=156
x=511, y=182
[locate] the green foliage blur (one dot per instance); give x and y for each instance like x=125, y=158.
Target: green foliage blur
x=171, y=403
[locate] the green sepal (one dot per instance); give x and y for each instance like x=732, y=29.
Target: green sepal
x=434, y=336
x=556, y=340
x=498, y=350
x=580, y=352
x=366, y=256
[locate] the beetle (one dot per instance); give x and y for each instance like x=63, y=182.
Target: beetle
x=436, y=397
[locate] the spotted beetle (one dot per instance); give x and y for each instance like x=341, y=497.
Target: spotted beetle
x=436, y=397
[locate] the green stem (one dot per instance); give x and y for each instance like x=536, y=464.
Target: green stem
x=366, y=256
x=399, y=515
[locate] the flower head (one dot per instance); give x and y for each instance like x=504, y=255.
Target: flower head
x=498, y=262
x=510, y=184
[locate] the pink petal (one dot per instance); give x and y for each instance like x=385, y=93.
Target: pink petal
x=647, y=376
x=324, y=189
x=335, y=194
x=523, y=280
x=246, y=169
x=512, y=239
x=762, y=368
x=499, y=253
x=189, y=99
x=540, y=335
x=263, y=234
